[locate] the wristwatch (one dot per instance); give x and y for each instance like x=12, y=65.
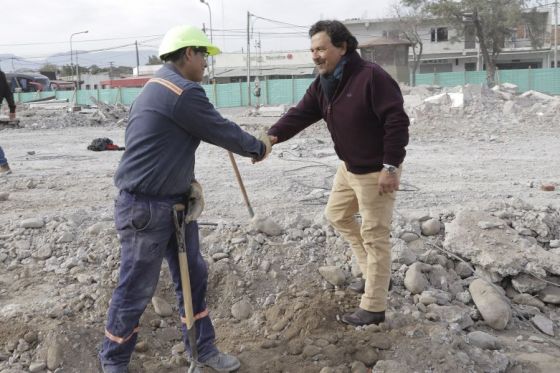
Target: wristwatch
x=389, y=169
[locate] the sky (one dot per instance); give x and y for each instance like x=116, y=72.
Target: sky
x=35, y=29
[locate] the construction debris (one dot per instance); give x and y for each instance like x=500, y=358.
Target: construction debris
x=475, y=244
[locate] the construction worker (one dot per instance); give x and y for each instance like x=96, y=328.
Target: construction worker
x=167, y=122
x=363, y=108
x=6, y=93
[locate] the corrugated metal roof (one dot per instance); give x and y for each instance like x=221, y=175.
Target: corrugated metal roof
x=229, y=72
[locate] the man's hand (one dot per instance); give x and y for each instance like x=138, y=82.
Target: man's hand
x=268, y=141
x=195, y=203
x=388, y=182
x=12, y=116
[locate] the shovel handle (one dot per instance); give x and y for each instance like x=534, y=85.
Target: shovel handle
x=240, y=182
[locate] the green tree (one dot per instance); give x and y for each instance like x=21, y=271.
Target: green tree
x=49, y=67
x=493, y=22
x=66, y=70
x=153, y=60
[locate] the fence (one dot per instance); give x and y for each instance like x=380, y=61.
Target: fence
x=273, y=92
x=542, y=80
x=290, y=91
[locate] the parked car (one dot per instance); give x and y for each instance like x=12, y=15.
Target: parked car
x=28, y=82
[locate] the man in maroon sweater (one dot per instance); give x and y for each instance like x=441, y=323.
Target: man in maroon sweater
x=363, y=108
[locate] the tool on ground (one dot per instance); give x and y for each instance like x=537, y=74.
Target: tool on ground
x=179, y=219
x=241, y=186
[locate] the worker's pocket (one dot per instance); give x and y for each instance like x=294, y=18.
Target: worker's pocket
x=140, y=215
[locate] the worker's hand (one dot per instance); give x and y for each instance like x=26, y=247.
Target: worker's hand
x=268, y=141
x=195, y=203
x=12, y=116
x=388, y=182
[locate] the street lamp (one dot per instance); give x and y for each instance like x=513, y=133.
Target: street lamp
x=71, y=58
x=211, y=38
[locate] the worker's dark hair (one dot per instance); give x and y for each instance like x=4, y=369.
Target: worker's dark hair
x=337, y=32
x=173, y=56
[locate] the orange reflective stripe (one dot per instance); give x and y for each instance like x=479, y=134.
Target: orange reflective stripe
x=198, y=316
x=167, y=84
x=120, y=340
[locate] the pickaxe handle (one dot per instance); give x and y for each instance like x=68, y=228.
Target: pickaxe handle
x=179, y=220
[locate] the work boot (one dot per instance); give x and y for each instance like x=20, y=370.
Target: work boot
x=362, y=317
x=222, y=362
x=358, y=285
x=5, y=169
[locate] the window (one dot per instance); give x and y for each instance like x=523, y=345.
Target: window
x=438, y=34
x=390, y=34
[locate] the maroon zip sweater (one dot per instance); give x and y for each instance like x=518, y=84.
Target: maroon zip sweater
x=365, y=117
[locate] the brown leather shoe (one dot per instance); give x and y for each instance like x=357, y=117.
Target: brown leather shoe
x=5, y=169
x=358, y=285
x=362, y=317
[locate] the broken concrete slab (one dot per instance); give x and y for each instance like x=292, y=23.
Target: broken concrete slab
x=498, y=251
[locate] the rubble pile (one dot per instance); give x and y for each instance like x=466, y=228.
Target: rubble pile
x=471, y=110
x=46, y=115
x=459, y=279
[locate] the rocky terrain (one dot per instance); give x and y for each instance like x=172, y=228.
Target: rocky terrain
x=476, y=246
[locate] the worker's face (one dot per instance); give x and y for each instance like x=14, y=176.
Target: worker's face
x=324, y=54
x=196, y=63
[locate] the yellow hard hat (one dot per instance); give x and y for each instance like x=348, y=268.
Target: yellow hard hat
x=185, y=36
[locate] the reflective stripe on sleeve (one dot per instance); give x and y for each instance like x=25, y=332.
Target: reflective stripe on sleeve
x=166, y=83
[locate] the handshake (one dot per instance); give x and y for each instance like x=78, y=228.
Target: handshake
x=268, y=141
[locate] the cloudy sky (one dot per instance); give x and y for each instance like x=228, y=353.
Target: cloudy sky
x=38, y=28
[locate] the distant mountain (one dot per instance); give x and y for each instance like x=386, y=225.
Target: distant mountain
x=9, y=62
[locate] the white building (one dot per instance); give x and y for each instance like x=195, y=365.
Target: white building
x=441, y=53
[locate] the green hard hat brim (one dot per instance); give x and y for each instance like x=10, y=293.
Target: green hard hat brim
x=212, y=49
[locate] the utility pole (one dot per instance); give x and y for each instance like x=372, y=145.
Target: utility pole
x=111, y=73
x=211, y=74
x=137, y=60
x=248, y=59
x=556, y=34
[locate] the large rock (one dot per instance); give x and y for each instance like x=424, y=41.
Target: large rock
x=54, y=355
x=499, y=250
x=483, y=340
x=453, y=315
x=161, y=307
x=544, y=324
x=415, y=280
x=333, y=275
x=431, y=227
x=492, y=305
x=266, y=225
x=241, y=310
x=525, y=283
x=32, y=223
x=390, y=366
x=550, y=294
x=401, y=253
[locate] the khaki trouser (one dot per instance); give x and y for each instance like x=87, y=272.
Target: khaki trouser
x=370, y=243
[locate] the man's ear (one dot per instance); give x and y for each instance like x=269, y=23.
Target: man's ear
x=188, y=53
